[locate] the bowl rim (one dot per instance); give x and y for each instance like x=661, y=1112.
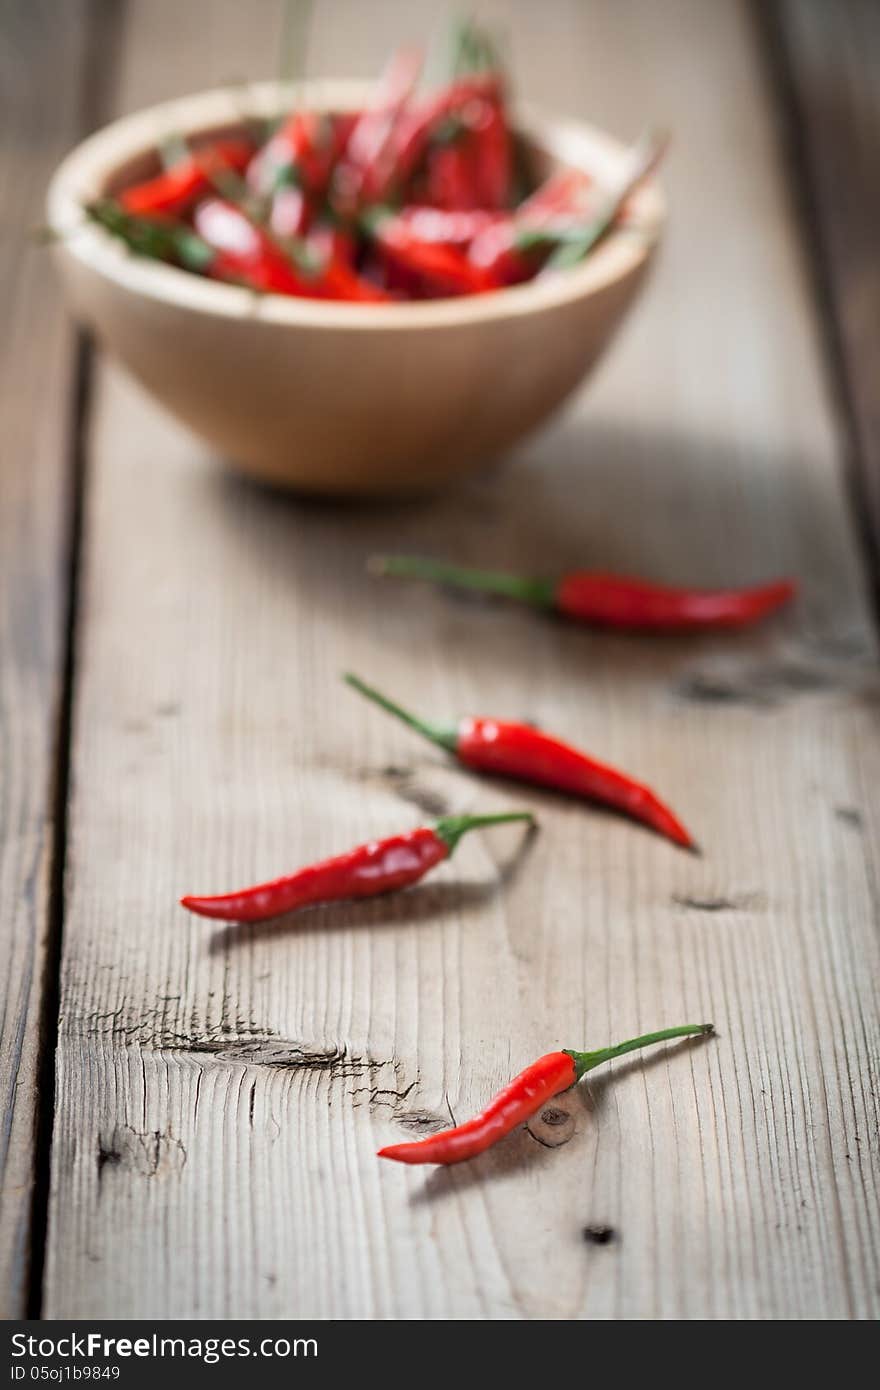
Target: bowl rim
x=82, y=175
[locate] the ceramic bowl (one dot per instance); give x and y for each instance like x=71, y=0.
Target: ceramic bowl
x=342, y=398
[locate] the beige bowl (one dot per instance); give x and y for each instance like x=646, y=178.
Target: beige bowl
x=341, y=398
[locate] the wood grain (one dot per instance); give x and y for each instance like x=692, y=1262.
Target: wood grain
x=832, y=58
x=221, y=1092
x=41, y=67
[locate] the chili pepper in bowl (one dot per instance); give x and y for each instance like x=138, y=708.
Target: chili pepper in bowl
x=245, y=247
x=506, y=749
x=382, y=866
x=606, y=600
x=645, y=159
x=360, y=174
x=440, y=269
x=521, y=1099
x=174, y=192
x=454, y=149
x=301, y=153
x=508, y=247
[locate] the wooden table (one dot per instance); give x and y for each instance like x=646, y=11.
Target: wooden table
x=190, y=1115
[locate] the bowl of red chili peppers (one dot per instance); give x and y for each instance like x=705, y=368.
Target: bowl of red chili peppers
x=357, y=289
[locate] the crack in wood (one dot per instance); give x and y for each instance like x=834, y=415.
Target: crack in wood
x=148, y=1153
x=375, y=1092
x=738, y=902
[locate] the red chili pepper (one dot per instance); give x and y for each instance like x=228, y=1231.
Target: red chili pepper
x=563, y=192
x=518, y=750
x=302, y=151
x=494, y=155
x=442, y=270
x=451, y=177
x=359, y=174
x=485, y=118
x=451, y=228
x=606, y=599
x=378, y=867
x=174, y=191
x=511, y=249
x=247, y=253
x=337, y=280
x=497, y=254
x=415, y=128
x=524, y=1097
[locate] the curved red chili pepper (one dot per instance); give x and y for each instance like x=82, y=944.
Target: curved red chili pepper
x=174, y=191
x=416, y=126
x=442, y=269
x=619, y=602
x=302, y=151
x=378, y=867
x=510, y=249
x=605, y=599
x=507, y=749
x=359, y=176
x=246, y=253
x=521, y=1099
x=427, y=223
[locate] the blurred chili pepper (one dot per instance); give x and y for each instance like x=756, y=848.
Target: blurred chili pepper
x=514, y=750
x=450, y=177
x=174, y=191
x=485, y=118
x=452, y=228
x=246, y=250
x=522, y=1098
x=267, y=265
x=358, y=174
x=381, y=866
x=512, y=248
x=302, y=151
x=607, y=599
x=494, y=156
x=441, y=269
x=644, y=161
x=415, y=128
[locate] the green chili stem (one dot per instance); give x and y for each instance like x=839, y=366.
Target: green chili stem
x=585, y=1061
x=444, y=737
x=149, y=237
x=538, y=592
x=451, y=828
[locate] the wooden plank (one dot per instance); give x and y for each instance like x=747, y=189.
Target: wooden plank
x=221, y=1092
x=831, y=59
x=41, y=68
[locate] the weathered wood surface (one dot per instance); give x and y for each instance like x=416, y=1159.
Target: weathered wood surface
x=221, y=1092
x=41, y=65
x=832, y=57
